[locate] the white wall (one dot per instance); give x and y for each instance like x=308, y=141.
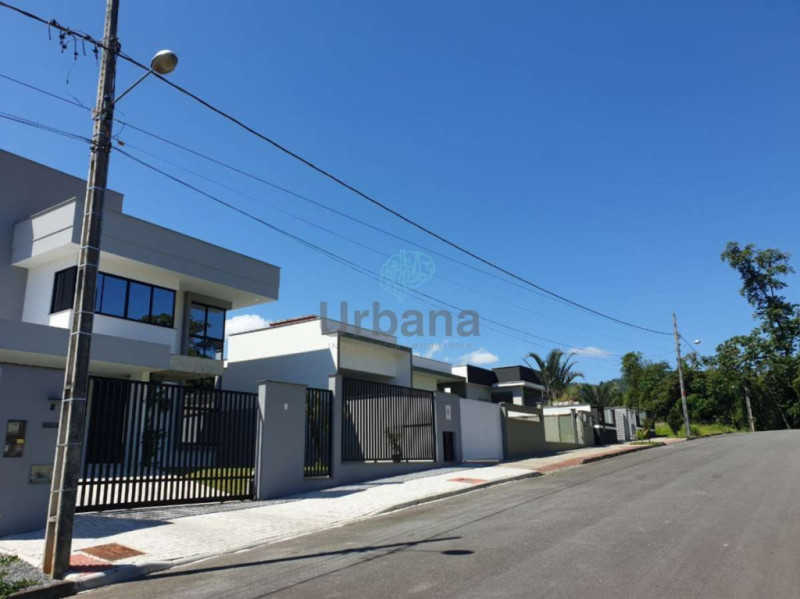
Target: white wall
x=278, y=341
x=425, y=381
x=481, y=430
x=39, y=292
x=297, y=353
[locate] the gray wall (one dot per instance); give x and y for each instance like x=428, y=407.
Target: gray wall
x=282, y=442
x=24, y=395
x=27, y=187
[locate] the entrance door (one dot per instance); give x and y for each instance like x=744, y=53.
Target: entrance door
x=449, y=446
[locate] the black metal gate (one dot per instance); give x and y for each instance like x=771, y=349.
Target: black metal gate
x=319, y=406
x=382, y=422
x=160, y=444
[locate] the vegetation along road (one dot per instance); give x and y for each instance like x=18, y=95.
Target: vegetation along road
x=715, y=517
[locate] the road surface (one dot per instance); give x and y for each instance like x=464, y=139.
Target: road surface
x=716, y=517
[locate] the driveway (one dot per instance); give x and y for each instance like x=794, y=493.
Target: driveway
x=716, y=517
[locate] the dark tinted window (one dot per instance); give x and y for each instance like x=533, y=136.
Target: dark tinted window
x=163, y=307
x=63, y=290
x=112, y=295
x=206, y=331
x=139, y=302
x=215, y=323
x=119, y=297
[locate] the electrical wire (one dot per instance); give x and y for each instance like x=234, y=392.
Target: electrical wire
x=331, y=176
x=329, y=254
x=309, y=200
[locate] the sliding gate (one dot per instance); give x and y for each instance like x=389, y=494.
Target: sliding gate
x=158, y=444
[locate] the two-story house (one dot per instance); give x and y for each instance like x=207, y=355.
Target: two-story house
x=162, y=299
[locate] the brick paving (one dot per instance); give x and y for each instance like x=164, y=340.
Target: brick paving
x=178, y=533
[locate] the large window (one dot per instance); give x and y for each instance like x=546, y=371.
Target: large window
x=119, y=297
x=206, y=331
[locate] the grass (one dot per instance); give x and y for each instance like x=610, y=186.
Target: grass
x=7, y=587
x=233, y=481
x=698, y=430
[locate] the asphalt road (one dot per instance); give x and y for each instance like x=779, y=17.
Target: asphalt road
x=716, y=517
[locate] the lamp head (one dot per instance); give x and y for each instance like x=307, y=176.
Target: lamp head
x=164, y=62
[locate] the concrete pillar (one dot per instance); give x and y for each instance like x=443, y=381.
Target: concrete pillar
x=281, y=439
x=335, y=386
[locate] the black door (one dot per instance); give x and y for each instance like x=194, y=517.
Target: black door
x=449, y=446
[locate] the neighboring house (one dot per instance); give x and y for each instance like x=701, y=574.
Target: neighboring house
x=519, y=385
x=310, y=349
x=161, y=303
x=433, y=375
x=477, y=384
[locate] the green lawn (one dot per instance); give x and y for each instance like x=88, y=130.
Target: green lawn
x=698, y=430
x=231, y=481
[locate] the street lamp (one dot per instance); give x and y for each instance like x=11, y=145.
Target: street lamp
x=163, y=63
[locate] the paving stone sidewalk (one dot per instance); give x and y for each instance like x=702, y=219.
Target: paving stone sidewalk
x=164, y=537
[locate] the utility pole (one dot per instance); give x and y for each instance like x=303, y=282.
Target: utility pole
x=749, y=409
x=680, y=376
x=69, y=444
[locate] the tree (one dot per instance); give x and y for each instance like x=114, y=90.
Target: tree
x=770, y=351
x=558, y=372
x=606, y=393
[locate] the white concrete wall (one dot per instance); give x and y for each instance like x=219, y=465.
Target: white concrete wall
x=481, y=430
x=279, y=341
x=423, y=380
x=39, y=292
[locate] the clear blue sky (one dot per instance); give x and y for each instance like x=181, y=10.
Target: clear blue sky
x=606, y=150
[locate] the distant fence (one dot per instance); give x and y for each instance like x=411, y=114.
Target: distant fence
x=382, y=422
x=319, y=406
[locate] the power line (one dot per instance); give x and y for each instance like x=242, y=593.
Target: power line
x=333, y=233
x=334, y=178
x=311, y=201
x=319, y=249
x=43, y=127
x=424, y=297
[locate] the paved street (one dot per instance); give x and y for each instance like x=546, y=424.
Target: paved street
x=717, y=517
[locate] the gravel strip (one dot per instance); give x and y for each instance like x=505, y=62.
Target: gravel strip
x=17, y=569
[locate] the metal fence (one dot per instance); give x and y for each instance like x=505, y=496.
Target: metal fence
x=382, y=422
x=319, y=417
x=160, y=444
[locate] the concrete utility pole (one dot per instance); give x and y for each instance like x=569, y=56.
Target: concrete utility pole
x=64, y=489
x=680, y=376
x=749, y=409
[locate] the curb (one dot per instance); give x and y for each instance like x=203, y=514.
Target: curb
x=128, y=572
x=447, y=494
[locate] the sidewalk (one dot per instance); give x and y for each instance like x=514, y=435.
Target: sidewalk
x=113, y=546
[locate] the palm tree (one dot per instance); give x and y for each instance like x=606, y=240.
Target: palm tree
x=603, y=394
x=557, y=372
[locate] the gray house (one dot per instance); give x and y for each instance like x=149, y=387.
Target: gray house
x=161, y=303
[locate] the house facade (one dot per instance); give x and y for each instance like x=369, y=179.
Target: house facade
x=162, y=299
x=310, y=349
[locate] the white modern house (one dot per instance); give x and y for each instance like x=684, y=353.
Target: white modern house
x=519, y=385
x=161, y=303
x=310, y=349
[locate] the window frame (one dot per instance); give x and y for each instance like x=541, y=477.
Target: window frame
x=127, y=281
x=205, y=337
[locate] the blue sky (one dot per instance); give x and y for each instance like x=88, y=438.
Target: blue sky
x=607, y=151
